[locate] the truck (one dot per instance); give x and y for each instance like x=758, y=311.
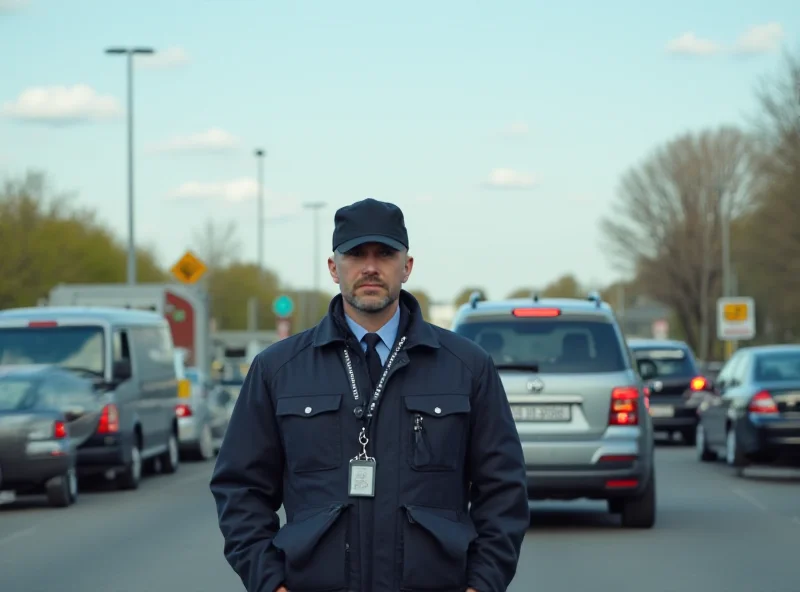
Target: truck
x=186, y=309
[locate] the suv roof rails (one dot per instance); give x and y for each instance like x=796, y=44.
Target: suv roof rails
x=474, y=298
x=594, y=296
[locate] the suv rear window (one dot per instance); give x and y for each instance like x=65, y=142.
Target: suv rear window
x=671, y=362
x=555, y=346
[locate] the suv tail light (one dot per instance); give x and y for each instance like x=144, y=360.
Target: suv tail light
x=59, y=430
x=109, y=420
x=762, y=403
x=699, y=383
x=624, y=406
x=536, y=312
x=183, y=410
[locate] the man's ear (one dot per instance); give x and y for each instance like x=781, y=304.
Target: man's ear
x=332, y=269
x=408, y=267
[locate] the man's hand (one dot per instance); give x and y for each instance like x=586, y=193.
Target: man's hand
x=471, y=590
x=281, y=589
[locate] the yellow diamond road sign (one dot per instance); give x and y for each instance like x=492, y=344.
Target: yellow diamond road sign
x=189, y=268
x=736, y=319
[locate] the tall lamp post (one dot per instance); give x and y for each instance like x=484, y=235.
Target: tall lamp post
x=315, y=207
x=260, y=153
x=129, y=52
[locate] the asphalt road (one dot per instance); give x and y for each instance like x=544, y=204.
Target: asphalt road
x=715, y=532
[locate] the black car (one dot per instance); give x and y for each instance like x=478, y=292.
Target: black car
x=753, y=413
x=39, y=431
x=676, y=387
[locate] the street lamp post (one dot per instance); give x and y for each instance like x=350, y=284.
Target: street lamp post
x=315, y=207
x=260, y=154
x=129, y=52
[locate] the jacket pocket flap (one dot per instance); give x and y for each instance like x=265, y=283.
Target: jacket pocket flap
x=453, y=535
x=298, y=538
x=308, y=405
x=438, y=405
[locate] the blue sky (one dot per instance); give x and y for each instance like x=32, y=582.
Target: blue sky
x=501, y=128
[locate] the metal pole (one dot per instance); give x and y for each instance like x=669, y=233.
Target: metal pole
x=129, y=54
x=704, y=328
x=131, y=239
x=260, y=222
x=725, y=230
x=315, y=207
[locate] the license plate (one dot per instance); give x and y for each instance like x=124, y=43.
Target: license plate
x=662, y=411
x=7, y=497
x=541, y=412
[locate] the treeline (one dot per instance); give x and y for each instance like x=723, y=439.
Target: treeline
x=48, y=239
x=677, y=208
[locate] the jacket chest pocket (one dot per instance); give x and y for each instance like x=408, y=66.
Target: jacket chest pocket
x=437, y=430
x=312, y=431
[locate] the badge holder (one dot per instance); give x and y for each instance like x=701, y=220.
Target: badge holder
x=362, y=471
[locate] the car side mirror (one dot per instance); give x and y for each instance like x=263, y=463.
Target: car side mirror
x=647, y=369
x=122, y=369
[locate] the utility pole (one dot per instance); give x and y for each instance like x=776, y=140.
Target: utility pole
x=129, y=53
x=316, y=266
x=260, y=153
x=725, y=231
x=704, y=328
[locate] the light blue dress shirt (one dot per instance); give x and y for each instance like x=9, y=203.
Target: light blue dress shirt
x=387, y=333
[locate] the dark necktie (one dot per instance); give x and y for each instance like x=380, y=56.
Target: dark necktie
x=373, y=359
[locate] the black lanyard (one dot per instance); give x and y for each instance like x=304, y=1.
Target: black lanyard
x=379, y=388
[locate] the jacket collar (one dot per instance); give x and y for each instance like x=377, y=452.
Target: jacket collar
x=333, y=327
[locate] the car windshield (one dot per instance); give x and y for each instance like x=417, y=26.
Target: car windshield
x=783, y=366
x=670, y=362
x=568, y=346
x=76, y=348
x=15, y=394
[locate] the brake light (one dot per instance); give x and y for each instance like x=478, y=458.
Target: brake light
x=699, y=383
x=42, y=324
x=536, y=312
x=624, y=406
x=762, y=403
x=183, y=411
x=109, y=420
x=59, y=430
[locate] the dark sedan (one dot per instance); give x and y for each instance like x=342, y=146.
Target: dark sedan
x=753, y=414
x=675, y=389
x=41, y=423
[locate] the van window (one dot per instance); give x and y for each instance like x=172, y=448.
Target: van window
x=73, y=347
x=154, y=352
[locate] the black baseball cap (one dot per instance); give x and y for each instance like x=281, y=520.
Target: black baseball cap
x=369, y=221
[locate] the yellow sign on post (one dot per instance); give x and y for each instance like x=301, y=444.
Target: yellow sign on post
x=189, y=268
x=735, y=311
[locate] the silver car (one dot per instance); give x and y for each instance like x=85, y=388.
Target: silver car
x=577, y=397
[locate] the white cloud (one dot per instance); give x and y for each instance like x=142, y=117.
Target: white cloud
x=510, y=179
x=234, y=191
x=760, y=39
x=211, y=140
x=171, y=57
x=13, y=5
x=691, y=44
x=62, y=104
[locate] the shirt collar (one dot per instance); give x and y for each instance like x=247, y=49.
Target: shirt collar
x=387, y=333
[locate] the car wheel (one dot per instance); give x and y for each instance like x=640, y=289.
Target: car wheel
x=640, y=511
x=59, y=492
x=170, y=460
x=701, y=446
x=733, y=454
x=132, y=476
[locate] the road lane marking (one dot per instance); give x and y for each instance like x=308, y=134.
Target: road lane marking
x=749, y=498
x=15, y=535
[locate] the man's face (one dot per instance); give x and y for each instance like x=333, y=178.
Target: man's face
x=371, y=275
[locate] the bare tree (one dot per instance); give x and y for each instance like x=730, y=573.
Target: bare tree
x=667, y=221
x=217, y=243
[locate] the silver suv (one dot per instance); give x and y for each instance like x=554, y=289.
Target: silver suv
x=577, y=397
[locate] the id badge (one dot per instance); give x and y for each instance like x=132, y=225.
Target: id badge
x=362, y=477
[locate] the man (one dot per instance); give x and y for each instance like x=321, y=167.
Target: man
x=388, y=441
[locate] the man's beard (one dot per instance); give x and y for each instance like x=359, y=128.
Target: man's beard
x=370, y=305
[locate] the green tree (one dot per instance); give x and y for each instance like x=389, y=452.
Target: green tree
x=231, y=288
x=424, y=302
x=463, y=296
x=46, y=241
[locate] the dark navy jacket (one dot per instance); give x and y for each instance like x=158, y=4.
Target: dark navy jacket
x=294, y=430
